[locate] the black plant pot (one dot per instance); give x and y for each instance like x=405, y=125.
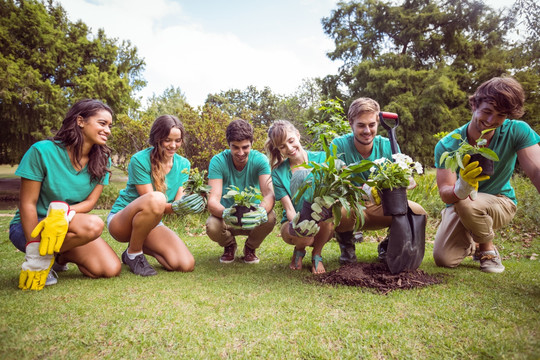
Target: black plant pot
x=486, y=164
x=241, y=210
x=305, y=213
x=394, y=202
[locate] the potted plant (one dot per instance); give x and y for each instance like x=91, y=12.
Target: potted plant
x=195, y=192
x=244, y=201
x=485, y=156
x=333, y=185
x=391, y=178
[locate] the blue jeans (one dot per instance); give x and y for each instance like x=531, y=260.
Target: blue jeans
x=16, y=235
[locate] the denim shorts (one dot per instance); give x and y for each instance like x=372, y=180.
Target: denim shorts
x=16, y=235
x=111, y=215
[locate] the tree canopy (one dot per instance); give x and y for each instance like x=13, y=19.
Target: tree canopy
x=47, y=63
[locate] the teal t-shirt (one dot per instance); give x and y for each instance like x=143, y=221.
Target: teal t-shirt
x=49, y=164
x=347, y=151
x=509, y=138
x=222, y=167
x=281, y=178
x=140, y=173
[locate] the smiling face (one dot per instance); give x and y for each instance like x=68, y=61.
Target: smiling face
x=96, y=128
x=364, y=128
x=172, y=143
x=291, y=148
x=240, y=152
x=485, y=116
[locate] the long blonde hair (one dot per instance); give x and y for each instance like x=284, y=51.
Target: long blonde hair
x=277, y=135
x=161, y=128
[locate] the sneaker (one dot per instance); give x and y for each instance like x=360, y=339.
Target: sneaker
x=57, y=266
x=52, y=278
x=139, y=265
x=490, y=261
x=228, y=254
x=249, y=256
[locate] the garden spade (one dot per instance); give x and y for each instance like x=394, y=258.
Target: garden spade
x=407, y=237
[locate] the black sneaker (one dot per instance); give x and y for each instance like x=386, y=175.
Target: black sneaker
x=139, y=265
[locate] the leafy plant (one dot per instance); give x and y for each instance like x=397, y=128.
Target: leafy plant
x=334, y=183
x=388, y=174
x=196, y=183
x=454, y=159
x=332, y=122
x=248, y=197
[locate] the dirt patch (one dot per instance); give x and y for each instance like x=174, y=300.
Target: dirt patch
x=378, y=277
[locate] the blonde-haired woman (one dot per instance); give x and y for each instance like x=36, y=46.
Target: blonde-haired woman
x=285, y=153
x=156, y=176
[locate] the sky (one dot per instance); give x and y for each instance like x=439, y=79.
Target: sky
x=208, y=46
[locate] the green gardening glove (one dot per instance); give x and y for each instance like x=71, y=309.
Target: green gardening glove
x=254, y=218
x=35, y=268
x=306, y=228
x=189, y=204
x=321, y=208
x=229, y=217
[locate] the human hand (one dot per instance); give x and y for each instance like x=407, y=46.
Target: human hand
x=254, y=218
x=35, y=268
x=372, y=194
x=306, y=228
x=469, y=177
x=321, y=208
x=53, y=228
x=189, y=204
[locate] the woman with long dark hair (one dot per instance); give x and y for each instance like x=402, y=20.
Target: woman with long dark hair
x=61, y=181
x=156, y=176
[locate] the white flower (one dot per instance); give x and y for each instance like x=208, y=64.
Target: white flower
x=380, y=161
x=372, y=169
x=418, y=168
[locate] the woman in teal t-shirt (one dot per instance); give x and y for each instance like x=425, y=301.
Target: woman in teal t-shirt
x=156, y=177
x=285, y=153
x=65, y=174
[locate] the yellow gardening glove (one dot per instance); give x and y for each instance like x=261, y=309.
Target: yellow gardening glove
x=53, y=228
x=35, y=268
x=469, y=177
x=372, y=194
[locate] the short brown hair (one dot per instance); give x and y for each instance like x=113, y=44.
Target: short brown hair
x=504, y=93
x=239, y=130
x=360, y=106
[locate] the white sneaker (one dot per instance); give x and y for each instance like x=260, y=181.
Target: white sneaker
x=490, y=261
x=52, y=278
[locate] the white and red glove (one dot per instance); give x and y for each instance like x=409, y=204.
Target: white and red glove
x=35, y=268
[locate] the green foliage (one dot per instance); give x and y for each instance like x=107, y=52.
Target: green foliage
x=248, y=197
x=454, y=159
x=334, y=183
x=196, y=183
x=108, y=197
x=47, y=63
x=331, y=122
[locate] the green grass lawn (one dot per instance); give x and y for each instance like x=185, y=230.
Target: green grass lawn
x=268, y=311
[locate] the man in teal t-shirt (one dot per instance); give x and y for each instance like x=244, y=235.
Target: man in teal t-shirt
x=364, y=144
x=478, y=204
x=242, y=167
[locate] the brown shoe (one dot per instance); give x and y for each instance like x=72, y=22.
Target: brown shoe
x=228, y=254
x=249, y=256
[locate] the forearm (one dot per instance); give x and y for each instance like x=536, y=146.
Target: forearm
x=29, y=220
x=447, y=195
x=215, y=208
x=268, y=202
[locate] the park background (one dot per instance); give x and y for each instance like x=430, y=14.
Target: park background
x=420, y=59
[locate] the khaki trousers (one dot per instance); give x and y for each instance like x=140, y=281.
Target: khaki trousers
x=468, y=222
x=374, y=219
x=224, y=235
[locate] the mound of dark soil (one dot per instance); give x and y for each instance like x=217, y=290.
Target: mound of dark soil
x=377, y=276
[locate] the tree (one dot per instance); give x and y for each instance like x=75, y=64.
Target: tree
x=47, y=63
x=419, y=58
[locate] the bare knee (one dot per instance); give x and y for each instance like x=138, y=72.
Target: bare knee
x=155, y=203
x=92, y=227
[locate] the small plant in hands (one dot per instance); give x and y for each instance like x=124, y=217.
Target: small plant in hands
x=244, y=200
x=195, y=192
x=388, y=174
x=333, y=188
x=454, y=159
